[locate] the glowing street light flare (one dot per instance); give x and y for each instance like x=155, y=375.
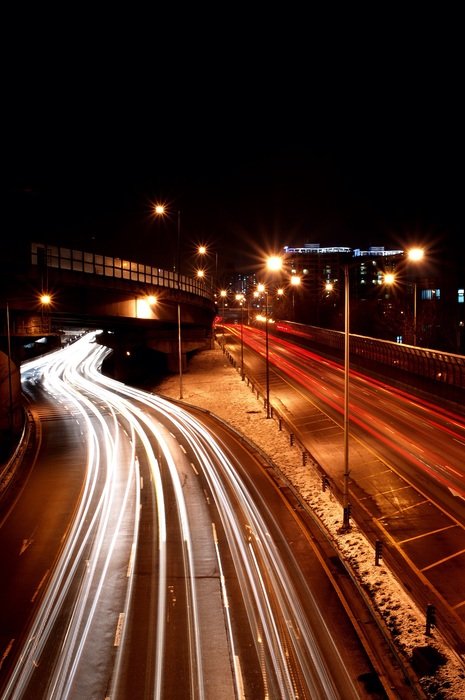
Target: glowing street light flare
x=274, y=263
x=415, y=254
x=389, y=278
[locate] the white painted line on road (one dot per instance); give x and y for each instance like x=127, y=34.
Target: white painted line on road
x=131, y=560
x=240, y=682
x=195, y=470
x=456, y=493
x=182, y=448
x=441, y=561
x=41, y=583
x=119, y=628
x=426, y=534
x=26, y=543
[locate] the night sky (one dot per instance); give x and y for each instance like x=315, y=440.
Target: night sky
x=347, y=144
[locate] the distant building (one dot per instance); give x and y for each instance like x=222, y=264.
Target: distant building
x=426, y=304
x=425, y=293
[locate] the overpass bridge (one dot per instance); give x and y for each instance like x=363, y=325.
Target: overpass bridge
x=140, y=308
x=99, y=291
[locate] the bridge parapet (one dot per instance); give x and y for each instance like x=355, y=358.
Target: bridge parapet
x=69, y=259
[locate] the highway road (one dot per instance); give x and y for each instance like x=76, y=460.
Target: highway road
x=425, y=441
x=406, y=461
x=148, y=554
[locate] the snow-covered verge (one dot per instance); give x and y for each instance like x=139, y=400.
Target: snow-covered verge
x=212, y=383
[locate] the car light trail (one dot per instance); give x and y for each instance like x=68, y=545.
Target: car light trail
x=433, y=463
x=263, y=612
x=122, y=427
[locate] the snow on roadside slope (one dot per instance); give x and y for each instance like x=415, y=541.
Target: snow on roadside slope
x=213, y=384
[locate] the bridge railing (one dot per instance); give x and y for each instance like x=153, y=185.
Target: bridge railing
x=118, y=268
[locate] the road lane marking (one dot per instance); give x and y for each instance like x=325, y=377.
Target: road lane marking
x=26, y=543
x=426, y=534
x=119, y=627
x=41, y=583
x=441, y=561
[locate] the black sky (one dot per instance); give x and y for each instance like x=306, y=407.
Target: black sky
x=351, y=140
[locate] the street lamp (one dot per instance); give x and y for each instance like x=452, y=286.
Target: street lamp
x=345, y=497
x=415, y=255
x=160, y=210
x=274, y=264
x=203, y=251
x=45, y=300
x=223, y=295
x=345, y=492
x=295, y=282
x=240, y=298
x=261, y=289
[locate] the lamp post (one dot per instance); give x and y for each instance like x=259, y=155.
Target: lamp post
x=267, y=358
x=345, y=491
x=295, y=281
x=223, y=295
x=273, y=264
x=160, y=210
x=240, y=299
x=202, y=252
x=261, y=289
x=415, y=255
x=345, y=498
x=45, y=301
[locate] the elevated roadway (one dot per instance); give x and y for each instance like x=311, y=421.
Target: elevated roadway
x=141, y=308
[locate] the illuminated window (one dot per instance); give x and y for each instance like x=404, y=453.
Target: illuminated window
x=461, y=296
x=430, y=294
